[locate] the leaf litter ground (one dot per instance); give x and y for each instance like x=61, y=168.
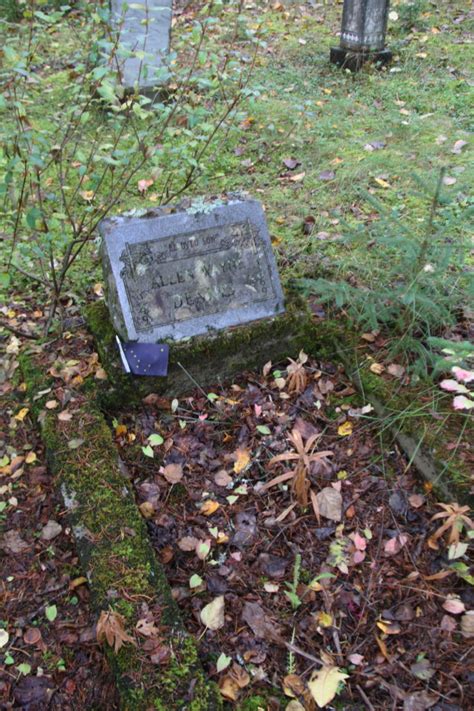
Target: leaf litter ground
x=357, y=580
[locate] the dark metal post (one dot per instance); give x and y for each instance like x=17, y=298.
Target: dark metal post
x=364, y=23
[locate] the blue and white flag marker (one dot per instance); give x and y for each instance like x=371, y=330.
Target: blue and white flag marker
x=144, y=358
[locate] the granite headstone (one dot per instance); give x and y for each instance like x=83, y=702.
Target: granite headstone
x=144, y=39
x=186, y=272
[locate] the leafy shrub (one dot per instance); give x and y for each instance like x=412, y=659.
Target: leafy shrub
x=68, y=159
x=415, y=287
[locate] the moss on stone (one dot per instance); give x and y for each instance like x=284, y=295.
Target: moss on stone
x=205, y=360
x=116, y=555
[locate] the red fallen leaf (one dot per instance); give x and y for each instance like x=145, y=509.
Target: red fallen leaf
x=32, y=635
x=394, y=545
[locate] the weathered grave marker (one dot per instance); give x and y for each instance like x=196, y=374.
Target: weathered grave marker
x=363, y=27
x=145, y=29
x=172, y=275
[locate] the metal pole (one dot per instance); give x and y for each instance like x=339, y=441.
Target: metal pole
x=364, y=23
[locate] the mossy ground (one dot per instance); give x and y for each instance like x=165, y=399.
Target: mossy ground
x=205, y=361
x=115, y=553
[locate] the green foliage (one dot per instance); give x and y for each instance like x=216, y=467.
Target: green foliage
x=292, y=592
x=413, y=286
x=67, y=164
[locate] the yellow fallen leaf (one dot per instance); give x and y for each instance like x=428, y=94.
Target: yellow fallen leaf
x=242, y=459
x=324, y=619
x=30, y=458
x=345, y=429
x=212, y=615
x=377, y=368
x=324, y=684
x=20, y=416
x=382, y=183
x=209, y=507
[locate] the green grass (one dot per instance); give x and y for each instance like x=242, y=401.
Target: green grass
x=323, y=116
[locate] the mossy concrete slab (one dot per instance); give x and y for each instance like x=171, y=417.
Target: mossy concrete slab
x=117, y=558
x=204, y=361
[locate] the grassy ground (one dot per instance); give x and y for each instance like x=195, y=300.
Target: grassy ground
x=323, y=117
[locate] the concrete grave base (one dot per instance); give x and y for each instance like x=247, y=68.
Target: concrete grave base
x=204, y=360
x=354, y=61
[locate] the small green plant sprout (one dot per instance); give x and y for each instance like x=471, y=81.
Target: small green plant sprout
x=292, y=592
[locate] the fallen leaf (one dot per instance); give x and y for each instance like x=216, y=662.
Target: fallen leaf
x=110, y=627
x=212, y=614
x=291, y=163
x=377, y=368
x=242, y=459
x=298, y=177
x=32, y=635
x=147, y=509
x=330, y=503
x=14, y=543
x=458, y=146
x=188, y=543
x=4, y=637
x=419, y=701
x=394, y=545
x=293, y=685
x=50, y=530
x=416, y=500
x=449, y=180
x=203, y=548
x=223, y=662
x=209, y=507
x=324, y=684
x=422, y=670
x=144, y=184
x=222, y=478
x=173, y=473
x=452, y=386
x=345, y=429
x=327, y=175
x=461, y=402
x=398, y=371
x=467, y=624
x=454, y=605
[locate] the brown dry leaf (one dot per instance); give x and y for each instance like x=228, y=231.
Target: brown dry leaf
x=188, y=543
x=147, y=628
x=222, y=478
x=456, y=519
x=228, y=688
x=330, y=503
x=416, y=500
x=242, y=459
x=298, y=177
x=398, y=371
x=111, y=628
x=173, y=473
x=293, y=686
x=297, y=377
x=467, y=624
x=32, y=635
